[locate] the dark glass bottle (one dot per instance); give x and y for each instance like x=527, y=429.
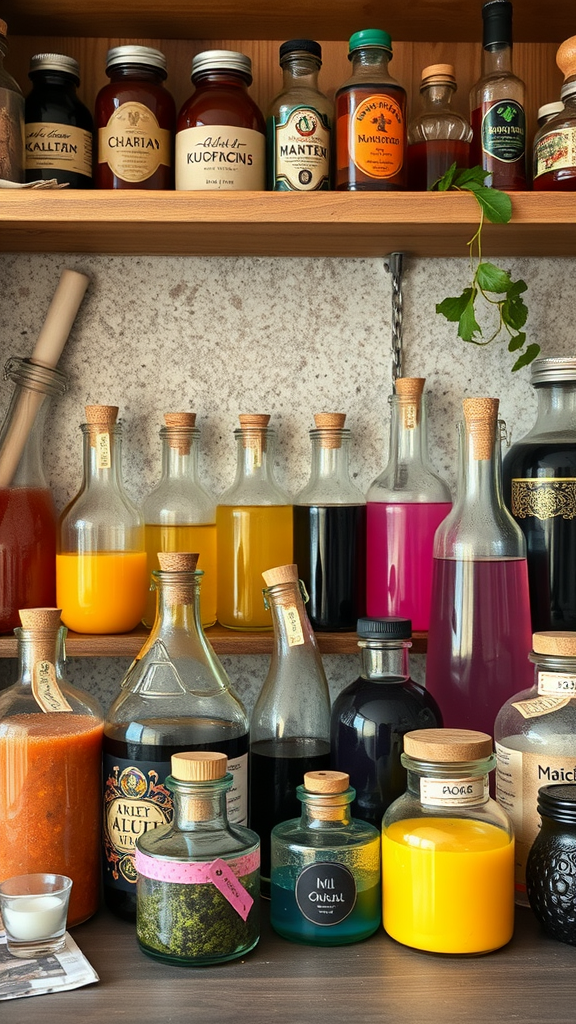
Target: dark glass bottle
x=59, y=128
x=554, y=149
x=11, y=119
x=371, y=716
x=330, y=531
x=551, y=867
x=539, y=474
x=135, y=117
x=438, y=136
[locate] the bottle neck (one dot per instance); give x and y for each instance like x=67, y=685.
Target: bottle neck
x=177, y=606
x=497, y=58
x=481, y=469
x=300, y=71
x=387, y=661
x=102, y=456
x=325, y=811
x=292, y=629
x=255, y=455
x=556, y=407
x=228, y=77
x=39, y=645
x=408, y=432
x=370, y=61
x=450, y=772
x=437, y=96
x=180, y=454
x=64, y=82
x=21, y=462
x=135, y=72
x=199, y=807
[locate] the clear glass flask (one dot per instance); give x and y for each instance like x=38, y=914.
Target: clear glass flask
x=438, y=136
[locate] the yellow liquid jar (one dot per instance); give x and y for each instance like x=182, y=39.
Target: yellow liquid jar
x=448, y=849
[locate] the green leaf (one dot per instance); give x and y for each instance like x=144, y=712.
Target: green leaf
x=497, y=206
x=468, y=325
x=514, y=312
x=516, y=342
x=517, y=288
x=492, y=278
x=453, y=307
x=465, y=176
x=526, y=357
x=445, y=182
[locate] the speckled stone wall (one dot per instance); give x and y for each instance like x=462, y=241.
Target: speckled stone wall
x=286, y=336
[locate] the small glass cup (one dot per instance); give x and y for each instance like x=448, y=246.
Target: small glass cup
x=34, y=909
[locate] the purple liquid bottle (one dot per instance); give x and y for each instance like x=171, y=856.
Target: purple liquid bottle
x=406, y=504
x=480, y=633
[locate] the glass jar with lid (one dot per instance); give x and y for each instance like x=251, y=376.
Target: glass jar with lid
x=11, y=119
x=221, y=132
x=448, y=848
x=58, y=126
x=438, y=136
x=135, y=119
x=551, y=867
x=554, y=143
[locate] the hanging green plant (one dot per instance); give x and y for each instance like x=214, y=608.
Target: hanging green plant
x=490, y=284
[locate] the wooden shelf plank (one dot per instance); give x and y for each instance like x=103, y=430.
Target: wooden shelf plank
x=280, y=224
x=224, y=641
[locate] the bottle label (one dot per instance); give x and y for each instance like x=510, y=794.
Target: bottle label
x=11, y=135
x=556, y=683
x=103, y=457
x=326, y=893
x=220, y=157
x=223, y=874
x=376, y=139
x=544, y=497
x=554, y=151
x=47, y=693
x=519, y=776
x=504, y=131
x=454, y=792
x=133, y=144
x=540, y=706
x=293, y=626
x=301, y=150
x=58, y=147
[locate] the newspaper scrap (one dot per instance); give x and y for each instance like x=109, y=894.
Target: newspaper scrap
x=57, y=972
x=48, y=183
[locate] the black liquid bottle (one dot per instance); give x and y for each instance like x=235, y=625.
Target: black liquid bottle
x=59, y=128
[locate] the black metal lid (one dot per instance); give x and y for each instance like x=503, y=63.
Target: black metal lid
x=558, y=802
x=393, y=628
x=497, y=17
x=308, y=45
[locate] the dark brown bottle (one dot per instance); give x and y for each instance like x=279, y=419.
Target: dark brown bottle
x=59, y=128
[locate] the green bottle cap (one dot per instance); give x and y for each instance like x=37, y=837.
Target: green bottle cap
x=370, y=37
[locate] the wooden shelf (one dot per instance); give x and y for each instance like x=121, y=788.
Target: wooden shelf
x=224, y=641
x=280, y=224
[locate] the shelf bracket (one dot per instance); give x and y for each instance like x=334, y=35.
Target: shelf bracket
x=393, y=263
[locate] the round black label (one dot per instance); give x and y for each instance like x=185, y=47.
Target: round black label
x=326, y=893
x=504, y=131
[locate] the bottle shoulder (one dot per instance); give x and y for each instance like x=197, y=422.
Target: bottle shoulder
x=298, y=96
x=394, y=701
x=325, y=837
x=178, y=501
x=168, y=842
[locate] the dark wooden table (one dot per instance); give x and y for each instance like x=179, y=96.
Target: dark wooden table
x=531, y=981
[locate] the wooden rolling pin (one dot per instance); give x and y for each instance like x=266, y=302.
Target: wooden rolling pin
x=47, y=351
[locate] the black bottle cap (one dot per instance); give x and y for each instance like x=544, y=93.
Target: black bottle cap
x=558, y=802
x=393, y=628
x=308, y=45
x=497, y=16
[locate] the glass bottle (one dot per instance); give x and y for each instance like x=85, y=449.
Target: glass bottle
x=197, y=893
x=479, y=637
x=370, y=119
x=405, y=505
x=448, y=848
x=59, y=127
x=554, y=145
x=497, y=105
x=550, y=871
x=179, y=514
x=326, y=886
x=28, y=522
x=135, y=118
x=221, y=133
x=439, y=136
x=539, y=478
x=372, y=714
x=299, y=123
x=11, y=119
x=290, y=725
x=534, y=733
x=101, y=581
x=254, y=528
x=175, y=697
x=50, y=752
x=330, y=530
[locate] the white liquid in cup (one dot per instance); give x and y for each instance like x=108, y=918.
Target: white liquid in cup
x=34, y=917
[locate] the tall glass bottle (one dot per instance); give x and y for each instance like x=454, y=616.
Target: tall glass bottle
x=50, y=753
x=12, y=119
x=497, y=105
x=438, y=136
x=540, y=491
x=28, y=522
x=299, y=123
x=406, y=504
x=330, y=530
x=101, y=582
x=179, y=514
x=253, y=527
x=372, y=714
x=479, y=637
x=290, y=726
x=175, y=696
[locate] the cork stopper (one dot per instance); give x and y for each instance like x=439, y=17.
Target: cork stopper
x=409, y=391
x=253, y=426
x=326, y=782
x=481, y=415
x=566, y=57
x=178, y=424
x=330, y=424
x=447, y=745
x=40, y=618
x=437, y=74
x=102, y=416
x=281, y=574
x=199, y=766
x=556, y=643
x=253, y=421
x=178, y=561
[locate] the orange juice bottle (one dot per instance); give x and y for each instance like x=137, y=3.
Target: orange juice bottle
x=254, y=528
x=101, y=577
x=179, y=514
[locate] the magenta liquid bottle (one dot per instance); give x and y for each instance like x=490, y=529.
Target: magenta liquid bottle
x=480, y=633
x=405, y=505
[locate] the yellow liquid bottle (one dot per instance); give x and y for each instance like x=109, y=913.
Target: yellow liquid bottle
x=101, y=591
x=200, y=539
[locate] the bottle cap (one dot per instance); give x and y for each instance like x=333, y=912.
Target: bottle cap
x=369, y=37
x=178, y=427
x=566, y=57
x=330, y=426
x=55, y=62
x=553, y=369
x=178, y=561
x=447, y=745
x=548, y=110
x=40, y=618
x=326, y=782
x=438, y=73
x=253, y=421
x=222, y=60
x=480, y=415
x=198, y=766
x=180, y=419
x=391, y=628
x=131, y=54
x=101, y=415
x=280, y=574
x=558, y=802
x=557, y=643
x=301, y=46
x=497, y=18
x=410, y=388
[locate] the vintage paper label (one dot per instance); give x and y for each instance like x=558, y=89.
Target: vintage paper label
x=554, y=151
x=376, y=139
x=45, y=688
x=301, y=151
x=103, y=457
x=454, y=792
x=59, y=147
x=293, y=626
x=133, y=144
x=220, y=158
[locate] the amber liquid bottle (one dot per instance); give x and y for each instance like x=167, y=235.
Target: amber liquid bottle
x=554, y=150
x=370, y=119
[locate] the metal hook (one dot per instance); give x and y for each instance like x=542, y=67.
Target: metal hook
x=393, y=263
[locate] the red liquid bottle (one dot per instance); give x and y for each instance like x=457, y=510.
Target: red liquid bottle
x=27, y=512
x=439, y=136
x=554, y=143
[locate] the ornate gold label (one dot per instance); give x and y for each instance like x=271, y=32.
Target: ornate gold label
x=544, y=497
x=133, y=144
